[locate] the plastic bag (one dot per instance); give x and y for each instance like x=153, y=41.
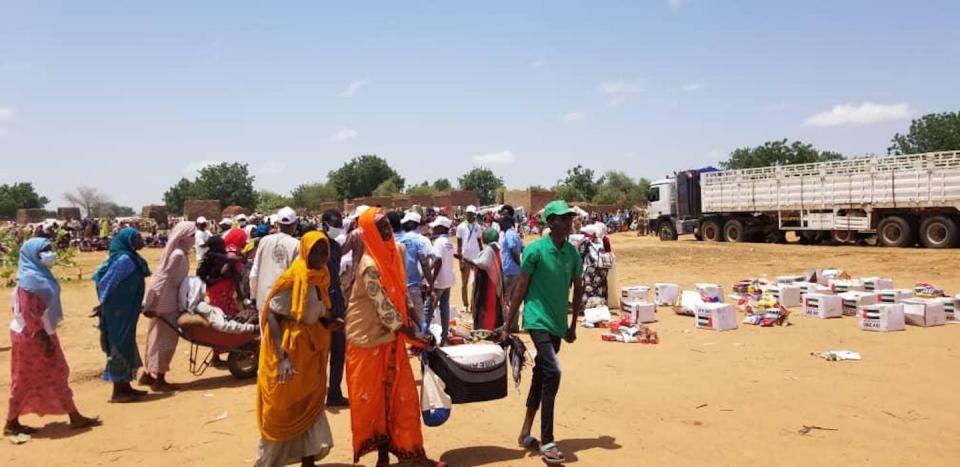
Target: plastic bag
x=435, y=403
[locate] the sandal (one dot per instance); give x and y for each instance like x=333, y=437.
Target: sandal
x=530, y=443
x=551, y=454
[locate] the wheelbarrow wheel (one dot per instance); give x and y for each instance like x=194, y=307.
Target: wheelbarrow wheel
x=243, y=363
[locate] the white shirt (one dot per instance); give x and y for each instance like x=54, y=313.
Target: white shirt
x=275, y=253
x=443, y=249
x=200, y=239
x=469, y=235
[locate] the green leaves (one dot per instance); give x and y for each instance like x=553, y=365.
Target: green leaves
x=362, y=175
x=483, y=181
x=778, y=153
x=932, y=132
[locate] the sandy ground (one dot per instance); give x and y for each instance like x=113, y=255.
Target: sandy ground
x=697, y=398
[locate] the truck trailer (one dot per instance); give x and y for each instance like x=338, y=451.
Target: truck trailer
x=899, y=201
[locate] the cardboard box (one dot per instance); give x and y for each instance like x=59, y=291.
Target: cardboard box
x=712, y=291
x=950, y=306
x=636, y=293
x=924, y=312
x=641, y=312
x=666, y=294
x=790, y=279
x=841, y=285
x=824, y=276
x=852, y=301
x=788, y=295
x=810, y=287
x=893, y=295
x=882, y=317
x=689, y=302
x=871, y=284
x=716, y=316
x=823, y=306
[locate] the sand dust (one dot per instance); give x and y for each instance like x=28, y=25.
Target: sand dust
x=697, y=398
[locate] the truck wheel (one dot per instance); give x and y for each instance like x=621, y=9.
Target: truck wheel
x=938, y=232
x=809, y=237
x=895, y=231
x=667, y=232
x=711, y=231
x=733, y=231
x=842, y=237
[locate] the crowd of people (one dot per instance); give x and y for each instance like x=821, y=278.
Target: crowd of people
x=332, y=298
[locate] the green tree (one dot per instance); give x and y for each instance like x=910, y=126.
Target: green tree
x=482, y=181
x=422, y=189
x=389, y=187
x=19, y=195
x=176, y=195
x=442, y=184
x=268, y=201
x=362, y=175
x=229, y=182
x=932, y=132
x=310, y=195
x=619, y=189
x=778, y=153
x=579, y=185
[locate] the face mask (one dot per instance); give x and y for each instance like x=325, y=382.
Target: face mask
x=334, y=232
x=48, y=258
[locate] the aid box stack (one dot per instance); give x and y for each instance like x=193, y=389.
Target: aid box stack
x=852, y=301
x=881, y=317
x=689, y=302
x=823, y=305
x=710, y=292
x=924, y=312
x=716, y=316
x=666, y=294
x=787, y=295
x=790, y=279
x=810, y=287
x=871, y=284
x=893, y=295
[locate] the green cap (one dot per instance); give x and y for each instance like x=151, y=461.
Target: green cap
x=557, y=208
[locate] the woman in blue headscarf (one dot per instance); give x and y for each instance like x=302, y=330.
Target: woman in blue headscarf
x=38, y=370
x=120, y=287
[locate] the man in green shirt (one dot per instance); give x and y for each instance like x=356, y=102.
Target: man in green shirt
x=549, y=267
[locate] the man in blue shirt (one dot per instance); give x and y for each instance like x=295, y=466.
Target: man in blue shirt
x=510, y=252
x=417, y=262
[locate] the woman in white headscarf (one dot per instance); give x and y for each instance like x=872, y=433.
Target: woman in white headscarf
x=162, y=302
x=593, y=250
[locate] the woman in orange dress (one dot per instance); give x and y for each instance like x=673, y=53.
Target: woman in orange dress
x=384, y=405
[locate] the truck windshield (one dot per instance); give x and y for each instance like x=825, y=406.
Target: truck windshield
x=654, y=194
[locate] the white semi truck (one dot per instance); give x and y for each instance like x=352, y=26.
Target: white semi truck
x=897, y=200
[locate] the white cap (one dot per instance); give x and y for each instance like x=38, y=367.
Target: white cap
x=201, y=220
x=411, y=216
x=241, y=217
x=472, y=209
x=441, y=221
x=226, y=221
x=287, y=216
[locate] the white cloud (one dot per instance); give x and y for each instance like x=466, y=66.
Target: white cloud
x=573, y=116
x=863, y=114
x=494, y=158
x=690, y=87
x=6, y=114
x=343, y=134
x=538, y=63
x=674, y=4
x=271, y=168
x=353, y=88
x=619, y=91
x=194, y=167
x=3, y=132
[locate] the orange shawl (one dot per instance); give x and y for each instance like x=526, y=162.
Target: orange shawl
x=393, y=274
x=287, y=410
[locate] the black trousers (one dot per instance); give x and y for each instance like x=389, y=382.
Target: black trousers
x=546, y=381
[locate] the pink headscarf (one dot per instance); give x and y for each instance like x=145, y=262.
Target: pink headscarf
x=181, y=238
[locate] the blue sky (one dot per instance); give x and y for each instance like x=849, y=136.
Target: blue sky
x=131, y=96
